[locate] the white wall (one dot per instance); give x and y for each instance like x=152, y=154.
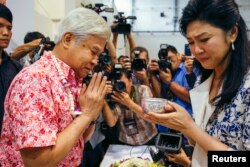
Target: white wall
x=23, y=18
x=44, y=15
x=152, y=42
x=37, y=15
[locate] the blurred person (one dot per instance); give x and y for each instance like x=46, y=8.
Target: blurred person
x=140, y=76
x=121, y=59
x=8, y=67
x=49, y=113
x=172, y=83
x=3, y=2
x=25, y=53
x=191, y=65
x=95, y=149
x=127, y=36
x=112, y=52
x=133, y=129
x=125, y=61
x=218, y=39
x=192, y=71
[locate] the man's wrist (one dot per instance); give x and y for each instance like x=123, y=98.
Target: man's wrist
x=168, y=83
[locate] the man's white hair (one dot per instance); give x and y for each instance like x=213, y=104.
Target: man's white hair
x=82, y=22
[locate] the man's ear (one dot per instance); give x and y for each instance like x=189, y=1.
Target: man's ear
x=179, y=56
x=67, y=39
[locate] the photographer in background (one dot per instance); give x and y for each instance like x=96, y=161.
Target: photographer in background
x=128, y=35
x=24, y=53
x=124, y=59
x=8, y=66
x=171, y=80
x=133, y=129
x=140, y=59
x=95, y=148
x=192, y=66
x=218, y=39
x=120, y=26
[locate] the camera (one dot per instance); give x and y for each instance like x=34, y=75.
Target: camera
x=98, y=8
x=163, y=52
x=115, y=76
x=159, y=157
x=166, y=143
x=104, y=60
x=45, y=44
x=137, y=63
x=187, y=50
x=169, y=142
x=117, y=84
x=122, y=27
x=165, y=64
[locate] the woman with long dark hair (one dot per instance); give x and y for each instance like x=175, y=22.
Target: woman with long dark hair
x=217, y=36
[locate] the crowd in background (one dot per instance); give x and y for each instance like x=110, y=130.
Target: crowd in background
x=62, y=81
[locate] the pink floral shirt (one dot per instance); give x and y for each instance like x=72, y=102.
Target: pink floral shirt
x=37, y=110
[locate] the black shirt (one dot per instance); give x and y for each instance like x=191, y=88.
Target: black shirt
x=8, y=70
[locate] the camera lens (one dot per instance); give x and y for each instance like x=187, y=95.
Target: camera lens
x=138, y=64
x=104, y=58
x=87, y=79
x=165, y=64
x=119, y=86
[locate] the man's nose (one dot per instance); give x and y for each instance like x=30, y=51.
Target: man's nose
x=94, y=61
x=5, y=31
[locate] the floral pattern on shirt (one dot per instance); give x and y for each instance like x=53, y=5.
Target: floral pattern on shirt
x=231, y=124
x=37, y=110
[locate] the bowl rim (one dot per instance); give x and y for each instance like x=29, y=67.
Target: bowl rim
x=155, y=98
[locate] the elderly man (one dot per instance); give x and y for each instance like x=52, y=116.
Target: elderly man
x=49, y=114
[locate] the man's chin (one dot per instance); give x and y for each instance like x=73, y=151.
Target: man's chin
x=84, y=74
x=4, y=46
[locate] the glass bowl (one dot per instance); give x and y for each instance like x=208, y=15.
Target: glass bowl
x=153, y=104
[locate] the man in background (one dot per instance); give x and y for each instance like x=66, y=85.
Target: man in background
x=8, y=67
x=25, y=53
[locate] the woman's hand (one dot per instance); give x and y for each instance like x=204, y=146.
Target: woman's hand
x=175, y=117
x=122, y=98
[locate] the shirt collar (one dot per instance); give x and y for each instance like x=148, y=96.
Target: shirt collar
x=68, y=72
x=5, y=56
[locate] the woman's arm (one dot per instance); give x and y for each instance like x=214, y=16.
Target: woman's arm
x=177, y=118
x=110, y=116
